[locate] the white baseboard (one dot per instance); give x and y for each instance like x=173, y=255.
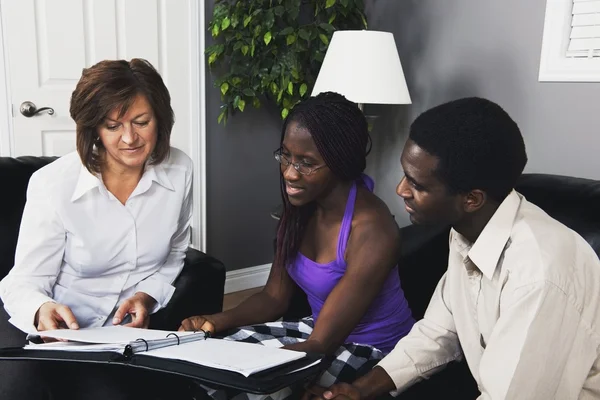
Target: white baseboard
x=246, y=278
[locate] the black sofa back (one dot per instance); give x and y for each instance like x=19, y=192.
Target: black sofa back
x=14, y=178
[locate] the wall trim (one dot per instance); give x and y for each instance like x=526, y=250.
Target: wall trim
x=198, y=122
x=246, y=278
x=6, y=128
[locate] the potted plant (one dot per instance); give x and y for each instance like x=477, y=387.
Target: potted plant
x=272, y=50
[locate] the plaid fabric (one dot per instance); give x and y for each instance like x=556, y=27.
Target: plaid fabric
x=351, y=360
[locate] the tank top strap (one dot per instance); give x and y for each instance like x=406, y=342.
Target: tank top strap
x=346, y=224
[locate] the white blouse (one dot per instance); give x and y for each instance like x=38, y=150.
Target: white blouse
x=79, y=246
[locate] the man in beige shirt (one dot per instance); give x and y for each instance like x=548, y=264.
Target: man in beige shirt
x=521, y=297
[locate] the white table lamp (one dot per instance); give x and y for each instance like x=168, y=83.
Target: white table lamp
x=364, y=66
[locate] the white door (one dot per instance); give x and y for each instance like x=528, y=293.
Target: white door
x=47, y=43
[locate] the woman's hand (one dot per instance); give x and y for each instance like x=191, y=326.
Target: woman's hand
x=55, y=316
x=198, y=323
x=138, y=306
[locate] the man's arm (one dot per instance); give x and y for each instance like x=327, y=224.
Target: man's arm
x=431, y=344
x=531, y=343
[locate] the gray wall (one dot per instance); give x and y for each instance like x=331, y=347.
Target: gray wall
x=449, y=49
x=488, y=48
x=242, y=180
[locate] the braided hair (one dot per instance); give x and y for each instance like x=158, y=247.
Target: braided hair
x=340, y=132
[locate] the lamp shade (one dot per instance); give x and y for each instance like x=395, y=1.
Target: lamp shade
x=364, y=66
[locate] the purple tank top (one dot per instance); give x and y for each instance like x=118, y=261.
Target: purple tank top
x=387, y=320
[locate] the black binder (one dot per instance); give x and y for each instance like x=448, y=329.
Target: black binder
x=263, y=382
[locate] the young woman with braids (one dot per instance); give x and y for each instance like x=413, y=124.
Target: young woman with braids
x=336, y=240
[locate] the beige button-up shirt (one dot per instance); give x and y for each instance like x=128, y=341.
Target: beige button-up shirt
x=522, y=304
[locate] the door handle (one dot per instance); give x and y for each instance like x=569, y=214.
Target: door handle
x=28, y=109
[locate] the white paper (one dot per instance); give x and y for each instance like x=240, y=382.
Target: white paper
x=108, y=334
x=244, y=358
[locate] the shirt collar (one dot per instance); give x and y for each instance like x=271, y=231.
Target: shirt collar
x=156, y=173
x=153, y=173
x=487, y=249
x=85, y=182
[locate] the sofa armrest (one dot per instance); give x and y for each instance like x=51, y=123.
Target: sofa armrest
x=199, y=289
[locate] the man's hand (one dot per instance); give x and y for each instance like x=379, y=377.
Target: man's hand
x=198, y=323
x=138, y=306
x=340, y=391
x=55, y=316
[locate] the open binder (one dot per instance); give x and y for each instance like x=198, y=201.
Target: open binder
x=215, y=362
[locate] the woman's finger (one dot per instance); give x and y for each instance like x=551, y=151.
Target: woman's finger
x=123, y=309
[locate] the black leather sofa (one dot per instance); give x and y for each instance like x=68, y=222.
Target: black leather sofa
x=573, y=201
x=199, y=287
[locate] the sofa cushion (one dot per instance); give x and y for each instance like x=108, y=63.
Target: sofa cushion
x=15, y=178
x=573, y=201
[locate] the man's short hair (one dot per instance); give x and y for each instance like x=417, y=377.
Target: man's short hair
x=478, y=144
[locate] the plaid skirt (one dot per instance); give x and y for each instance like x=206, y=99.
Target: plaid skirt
x=351, y=361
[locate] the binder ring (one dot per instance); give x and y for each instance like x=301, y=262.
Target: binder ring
x=143, y=340
x=174, y=334
x=206, y=333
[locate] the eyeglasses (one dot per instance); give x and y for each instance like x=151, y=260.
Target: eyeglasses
x=302, y=168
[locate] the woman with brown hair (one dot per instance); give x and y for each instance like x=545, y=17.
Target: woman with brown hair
x=105, y=229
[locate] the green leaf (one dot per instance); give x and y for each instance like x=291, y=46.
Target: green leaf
x=242, y=105
x=364, y=20
x=332, y=18
x=225, y=23
x=329, y=3
x=247, y=20
x=274, y=87
x=236, y=80
x=222, y=115
x=295, y=73
x=269, y=19
x=324, y=39
x=235, y=20
x=303, y=33
x=303, y=89
x=290, y=39
x=344, y=3
x=224, y=88
x=267, y=38
x=215, y=30
x=212, y=58
x=290, y=88
x=236, y=102
x=252, y=47
x=279, y=10
x=245, y=49
x=279, y=95
x=327, y=27
x=256, y=102
x=287, y=31
x=284, y=113
x=249, y=92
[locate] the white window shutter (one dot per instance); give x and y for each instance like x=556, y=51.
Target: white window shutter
x=584, y=40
